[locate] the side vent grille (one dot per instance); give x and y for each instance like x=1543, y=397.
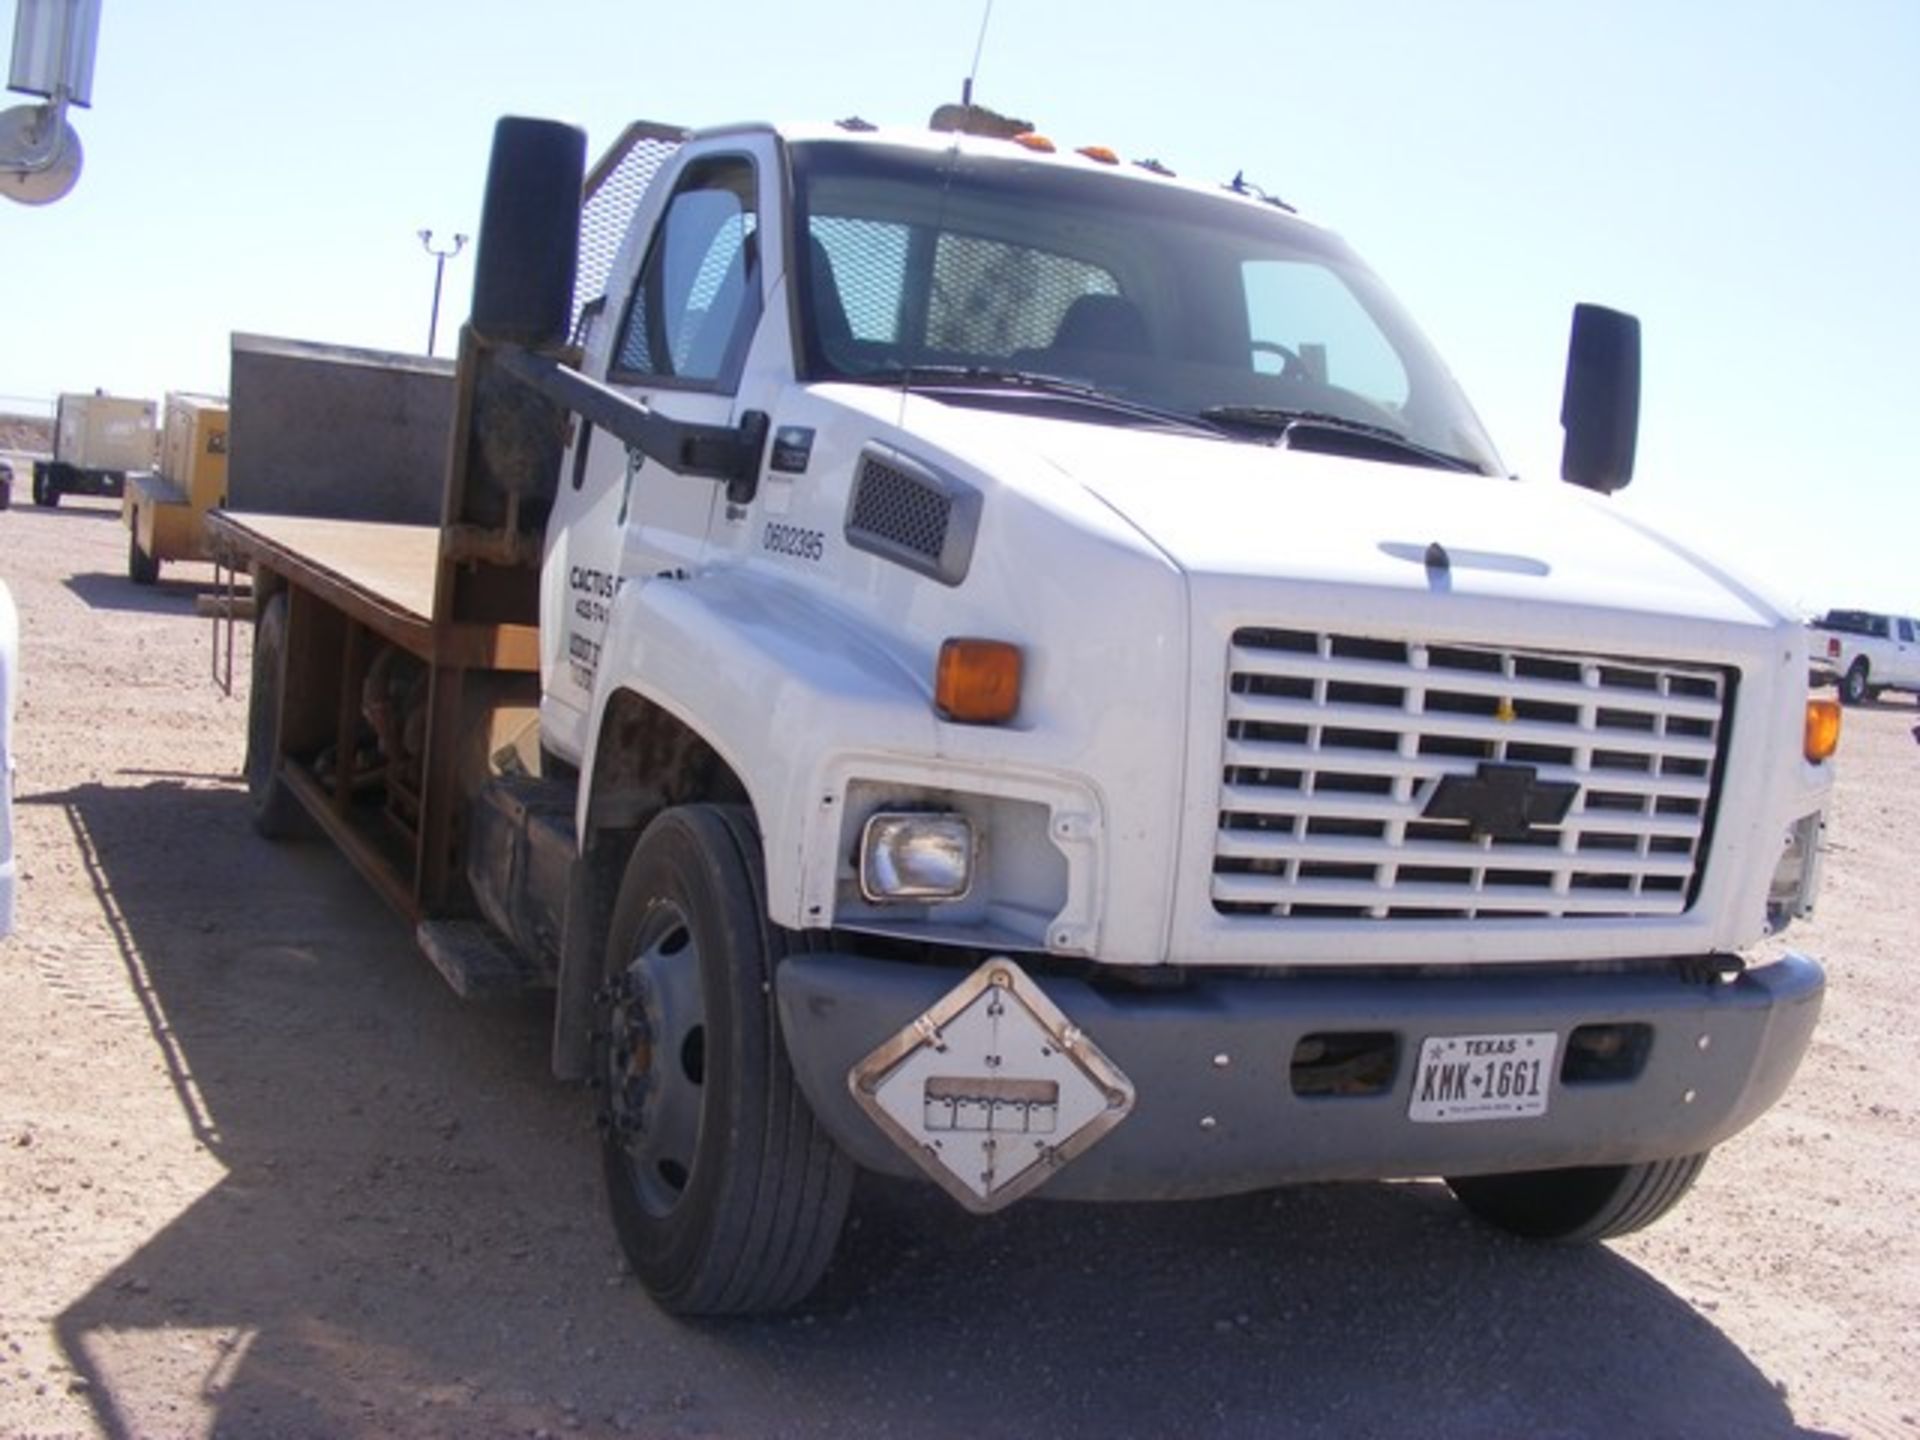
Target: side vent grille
x=889, y=504
x=906, y=512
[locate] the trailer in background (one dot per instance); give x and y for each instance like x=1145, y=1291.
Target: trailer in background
x=98, y=440
x=165, y=510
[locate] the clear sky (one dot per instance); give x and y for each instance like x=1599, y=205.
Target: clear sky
x=1744, y=176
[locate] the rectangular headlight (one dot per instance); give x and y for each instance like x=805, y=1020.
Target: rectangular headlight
x=908, y=856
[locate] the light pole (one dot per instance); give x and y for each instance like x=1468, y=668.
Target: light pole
x=440, y=258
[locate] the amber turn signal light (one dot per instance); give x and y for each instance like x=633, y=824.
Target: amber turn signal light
x=1823, y=728
x=977, y=682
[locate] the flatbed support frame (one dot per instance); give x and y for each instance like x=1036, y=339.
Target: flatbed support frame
x=354, y=586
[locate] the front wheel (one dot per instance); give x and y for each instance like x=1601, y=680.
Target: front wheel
x=1853, y=685
x=46, y=491
x=1573, y=1207
x=726, y=1194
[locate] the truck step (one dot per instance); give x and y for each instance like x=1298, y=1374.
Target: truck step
x=476, y=961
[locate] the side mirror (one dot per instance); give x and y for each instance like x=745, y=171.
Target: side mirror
x=1600, y=409
x=529, y=232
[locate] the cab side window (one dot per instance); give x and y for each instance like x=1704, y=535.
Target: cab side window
x=1906, y=632
x=698, y=298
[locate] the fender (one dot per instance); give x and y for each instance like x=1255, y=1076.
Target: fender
x=769, y=677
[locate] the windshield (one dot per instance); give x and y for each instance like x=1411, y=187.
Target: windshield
x=932, y=268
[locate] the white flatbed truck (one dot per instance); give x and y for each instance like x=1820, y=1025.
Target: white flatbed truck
x=1016, y=668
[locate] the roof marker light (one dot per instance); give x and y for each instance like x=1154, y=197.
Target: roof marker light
x=1032, y=141
x=1100, y=153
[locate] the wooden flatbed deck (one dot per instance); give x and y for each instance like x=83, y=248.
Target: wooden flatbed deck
x=381, y=575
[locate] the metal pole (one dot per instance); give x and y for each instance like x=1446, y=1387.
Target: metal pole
x=433, y=317
x=440, y=258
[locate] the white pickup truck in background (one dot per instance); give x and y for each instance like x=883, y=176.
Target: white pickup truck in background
x=1864, y=653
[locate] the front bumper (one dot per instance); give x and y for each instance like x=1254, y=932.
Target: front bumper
x=1216, y=1112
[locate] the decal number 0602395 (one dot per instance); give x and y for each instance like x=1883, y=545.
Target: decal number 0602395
x=801, y=544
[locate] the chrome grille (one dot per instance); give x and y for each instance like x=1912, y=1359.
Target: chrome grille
x=1335, y=745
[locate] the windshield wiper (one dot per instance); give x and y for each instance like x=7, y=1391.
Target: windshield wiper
x=1283, y=422
x=1038, y=382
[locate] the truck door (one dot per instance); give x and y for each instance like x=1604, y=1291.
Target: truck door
x=1907, y=653
x=675, y=336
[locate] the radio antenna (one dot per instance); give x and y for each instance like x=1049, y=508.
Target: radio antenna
x=960, y=124
x=979, y=45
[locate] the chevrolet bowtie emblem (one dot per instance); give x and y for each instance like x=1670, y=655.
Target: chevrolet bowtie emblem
x=1504, y=711
x=1501, y=801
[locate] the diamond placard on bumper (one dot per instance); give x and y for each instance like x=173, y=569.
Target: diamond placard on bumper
x=993, y=1089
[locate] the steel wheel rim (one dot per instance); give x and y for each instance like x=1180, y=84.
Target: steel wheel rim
x=656, y=1060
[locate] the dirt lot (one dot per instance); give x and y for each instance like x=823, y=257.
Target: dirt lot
x=262, y=1174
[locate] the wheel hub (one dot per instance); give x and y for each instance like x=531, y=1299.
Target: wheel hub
x=653, y=1065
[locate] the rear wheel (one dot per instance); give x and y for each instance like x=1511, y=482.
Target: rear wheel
x=726, y=1194
x=1573, y=1207
x=277, y=814
x=1853, y=685
x=142, y=568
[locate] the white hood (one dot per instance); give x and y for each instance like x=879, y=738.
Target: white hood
x=1220, y=508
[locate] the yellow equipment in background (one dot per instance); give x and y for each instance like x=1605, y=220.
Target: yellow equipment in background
x=166, y=510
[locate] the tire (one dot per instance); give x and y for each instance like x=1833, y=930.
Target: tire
x=1577, y=1207
x=46, y=491
x=142, y=568
x=726, y=1194
x=1853, y=685
x=277, y=814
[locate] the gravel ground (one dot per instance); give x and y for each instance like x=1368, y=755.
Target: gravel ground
x=262, y=1174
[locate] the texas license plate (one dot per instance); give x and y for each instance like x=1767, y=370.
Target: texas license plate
x=1482, y=1077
